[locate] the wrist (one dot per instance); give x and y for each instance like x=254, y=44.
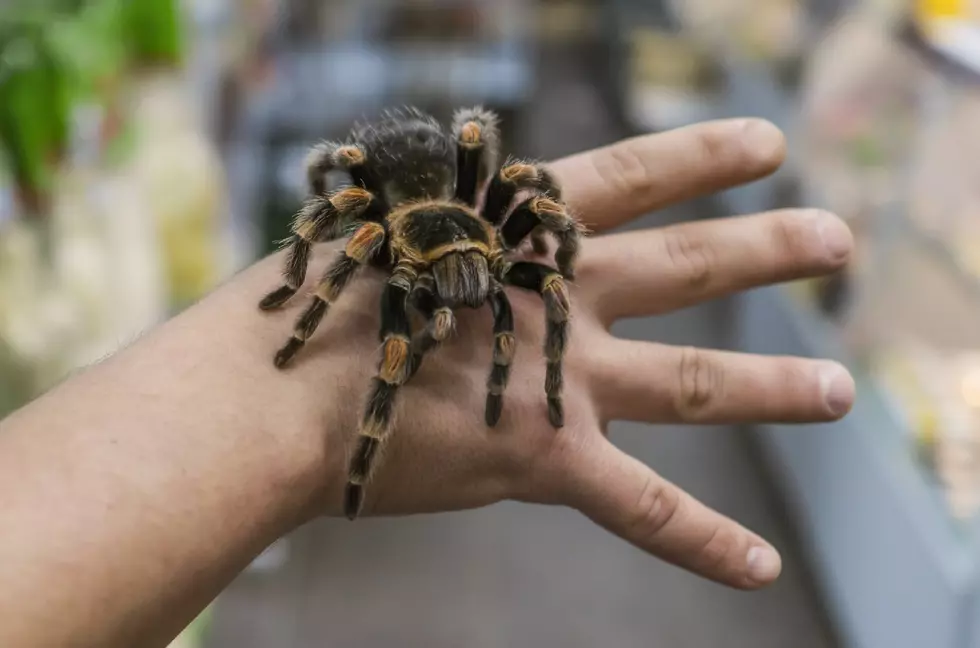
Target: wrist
x=299, y=414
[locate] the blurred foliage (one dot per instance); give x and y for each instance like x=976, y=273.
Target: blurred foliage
x=153, y=31
x=54, y=53
x=34, y=100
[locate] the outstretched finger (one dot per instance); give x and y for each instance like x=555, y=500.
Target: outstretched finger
x=655, y=383
x=611, y=185
x=660, y=270
x=627, y=498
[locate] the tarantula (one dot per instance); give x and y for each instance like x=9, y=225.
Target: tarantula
x=411, y=211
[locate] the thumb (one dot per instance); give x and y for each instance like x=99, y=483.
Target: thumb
x=624, y=496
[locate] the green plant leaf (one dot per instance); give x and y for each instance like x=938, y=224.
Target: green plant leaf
x=153, y=31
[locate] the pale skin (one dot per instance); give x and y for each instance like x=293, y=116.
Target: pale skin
x=134, y=492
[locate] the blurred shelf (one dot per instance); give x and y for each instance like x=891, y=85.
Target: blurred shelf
x=327, y=88
x=895, y=569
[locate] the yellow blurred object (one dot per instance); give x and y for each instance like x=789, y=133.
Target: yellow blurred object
x=959, y=458
x=710, y=22
x=183, y=179
x=929, y=9
x=772, y=30
x=138, y=288
x=952, y=29
x=757, y=29
x=939, y=396
x=662, y=58
x=80, y=257
x=927, y=426
x=566, y=20
x=970, y=387
x=900, y=374
x=105, y=249
x=39, y=322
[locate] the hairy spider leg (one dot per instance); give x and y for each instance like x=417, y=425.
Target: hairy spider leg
x=328, y=156
x=504, y=346
x=364, y=245
x=538, y=242
x=477, y=147
x=549, y=284
x=377, y=420
x=514, y=177
x=440, y=320
x=541, y=212
x=320, y=217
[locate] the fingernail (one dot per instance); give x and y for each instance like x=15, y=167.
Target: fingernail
x=764, y=564
x=836, y=236
x=837, y=387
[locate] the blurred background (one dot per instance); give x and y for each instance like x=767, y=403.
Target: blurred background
x=152, y=147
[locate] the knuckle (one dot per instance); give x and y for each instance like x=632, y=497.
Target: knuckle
x=540, y=467
x=716, y=550
x=693, y=258
x=622, y=168
x=744, y=144
x=714, y=145
x=797, y=237
x=787, y=233
x=700, y=382
x=655, y=507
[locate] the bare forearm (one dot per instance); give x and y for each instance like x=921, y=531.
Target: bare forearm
x=134, y=492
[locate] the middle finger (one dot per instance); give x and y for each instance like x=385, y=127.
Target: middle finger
x=655, y=271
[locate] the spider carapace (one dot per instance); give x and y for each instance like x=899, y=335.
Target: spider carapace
x=411, y=211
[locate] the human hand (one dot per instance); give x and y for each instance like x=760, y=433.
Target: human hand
x=442, y=456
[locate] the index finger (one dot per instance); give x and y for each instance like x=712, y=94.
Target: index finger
x=614, y=184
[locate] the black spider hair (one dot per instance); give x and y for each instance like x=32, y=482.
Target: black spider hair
x=411, y=155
